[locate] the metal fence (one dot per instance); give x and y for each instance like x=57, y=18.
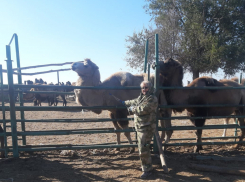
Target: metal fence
x=17, y=135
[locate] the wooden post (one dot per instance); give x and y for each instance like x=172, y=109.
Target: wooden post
x=217, y=169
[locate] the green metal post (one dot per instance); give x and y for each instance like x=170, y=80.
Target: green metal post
x=3, y=112
x=146, y=53
x=156, y=86
x=58, y=79
x=20, y=82
x=12, y=102
x=235, y=132
x=149, y=71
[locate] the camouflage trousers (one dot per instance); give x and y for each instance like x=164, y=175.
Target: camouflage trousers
x=144, y=136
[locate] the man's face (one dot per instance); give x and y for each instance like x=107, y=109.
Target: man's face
x=144, y=89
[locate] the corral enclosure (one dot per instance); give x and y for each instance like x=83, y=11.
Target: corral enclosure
x=47, y=164
x=106, y=164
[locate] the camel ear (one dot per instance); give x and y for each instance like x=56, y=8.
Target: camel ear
x=88, y=61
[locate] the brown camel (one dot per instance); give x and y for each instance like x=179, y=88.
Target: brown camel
x=38, y=98
x=89, y=75
x=172, y=72
x=226, y=121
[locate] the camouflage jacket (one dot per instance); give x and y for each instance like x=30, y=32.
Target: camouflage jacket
x=145, y=110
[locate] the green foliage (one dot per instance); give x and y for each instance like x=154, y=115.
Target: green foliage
x=203, y=35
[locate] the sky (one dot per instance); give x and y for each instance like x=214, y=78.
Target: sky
x=61, y=31
x=58, y=31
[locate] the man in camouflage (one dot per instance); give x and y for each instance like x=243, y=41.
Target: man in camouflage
x=144, y=109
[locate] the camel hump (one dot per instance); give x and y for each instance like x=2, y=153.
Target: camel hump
x=211, y=82
x=206, y=82
x=235, y=79
x=126, y=79
x=120, y=79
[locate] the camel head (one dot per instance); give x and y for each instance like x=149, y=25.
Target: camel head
x=29, y=96
x=87, y=70
x=171, y=72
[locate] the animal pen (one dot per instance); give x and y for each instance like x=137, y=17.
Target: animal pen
x=21, y=135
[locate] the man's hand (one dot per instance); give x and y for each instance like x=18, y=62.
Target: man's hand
x=131, y=109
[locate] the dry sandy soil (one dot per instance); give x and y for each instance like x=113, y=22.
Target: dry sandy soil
x=108, y=165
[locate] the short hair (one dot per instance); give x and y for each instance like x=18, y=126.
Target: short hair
x=147, y=83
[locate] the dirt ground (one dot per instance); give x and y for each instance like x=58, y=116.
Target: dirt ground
x=108, y=165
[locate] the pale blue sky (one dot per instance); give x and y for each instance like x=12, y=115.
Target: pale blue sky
x=58, y=31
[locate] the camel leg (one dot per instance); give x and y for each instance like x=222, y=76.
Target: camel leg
x=197, y=148
x=127, y=134
x=50, y=101
x=226, y=122
x=241, y=123
x=64, y=100
x=166, y=124
x=116, y=127
x=2, y=143
x=122, y=113
x=197, y=123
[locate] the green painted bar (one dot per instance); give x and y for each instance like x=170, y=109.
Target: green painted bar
x=72, y=147
x=60, y=108
x=188, y=106
x=78, y=147
x=203, y=143
x=49, y=92
x=122, y=88
x=3, y=113
x=146, y=54
x=111, y=130
x=77, y=87
x=156, y=86
x=12, y=102
x=71, y=120
x=200, y=88
x=69, y=132
x=20, y=82
x=206, y=117
x=67, y=145
x=149, y=71
x=119, y=146
x=204, y=127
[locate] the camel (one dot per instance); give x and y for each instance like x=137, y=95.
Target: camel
x=89, y=75
x=172, y=73
x=28, y=82
x=61, y=95
x=38, y=98
x=226, y=121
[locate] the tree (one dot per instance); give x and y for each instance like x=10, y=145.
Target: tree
x=203, y=35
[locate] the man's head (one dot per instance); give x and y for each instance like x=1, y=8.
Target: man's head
x=145, y=86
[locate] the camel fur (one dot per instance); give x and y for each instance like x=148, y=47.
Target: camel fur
x=89, y=75
x=172, y=72
x=227, y=120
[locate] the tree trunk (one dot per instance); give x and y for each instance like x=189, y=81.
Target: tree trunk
x=195, y=74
